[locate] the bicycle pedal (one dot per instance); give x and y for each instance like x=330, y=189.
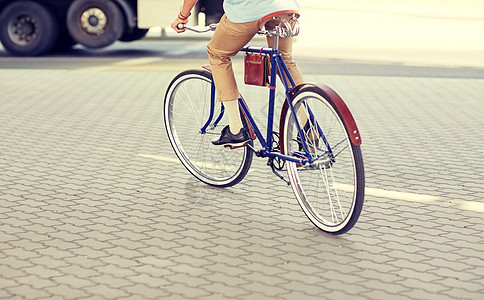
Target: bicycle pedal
x=235, y=147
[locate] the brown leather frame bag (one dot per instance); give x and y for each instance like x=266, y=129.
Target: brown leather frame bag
x=256, y=69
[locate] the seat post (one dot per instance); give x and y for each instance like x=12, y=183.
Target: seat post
x=275, y=44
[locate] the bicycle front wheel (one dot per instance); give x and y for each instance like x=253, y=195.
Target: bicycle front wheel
x=330, y=190
x=191, y=128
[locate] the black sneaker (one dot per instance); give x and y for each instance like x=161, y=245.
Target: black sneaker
x=229, y=139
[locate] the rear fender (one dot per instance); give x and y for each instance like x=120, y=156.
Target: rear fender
x=345, y=113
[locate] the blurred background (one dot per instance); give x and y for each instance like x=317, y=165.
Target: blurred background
x=430, y=32
x=437, y=33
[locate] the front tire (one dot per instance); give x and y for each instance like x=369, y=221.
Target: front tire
x=186, y=111
x=95, y=23
x=28, y=28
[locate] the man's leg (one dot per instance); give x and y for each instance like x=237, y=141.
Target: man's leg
x=226, y=42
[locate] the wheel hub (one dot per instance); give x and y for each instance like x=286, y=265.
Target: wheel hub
x=93, y=21
x=324, y=161
x=23, y=29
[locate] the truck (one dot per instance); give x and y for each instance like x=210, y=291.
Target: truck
x=36, y=27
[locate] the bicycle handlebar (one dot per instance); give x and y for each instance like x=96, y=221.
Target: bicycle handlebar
x=208, y=28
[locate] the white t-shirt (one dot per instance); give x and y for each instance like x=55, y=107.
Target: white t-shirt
x=242, y=11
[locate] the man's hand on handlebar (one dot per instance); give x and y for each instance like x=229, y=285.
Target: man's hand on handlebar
x=179, y=25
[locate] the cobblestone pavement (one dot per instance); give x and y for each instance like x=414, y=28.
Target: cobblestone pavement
x=94, y=203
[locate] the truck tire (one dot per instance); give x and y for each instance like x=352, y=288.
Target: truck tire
x=95, y=23
x=28, y=28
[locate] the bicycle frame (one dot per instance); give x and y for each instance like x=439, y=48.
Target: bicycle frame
x=277, y=66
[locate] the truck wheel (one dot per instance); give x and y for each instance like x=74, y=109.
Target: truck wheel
x=28, y=28
x=95, y=23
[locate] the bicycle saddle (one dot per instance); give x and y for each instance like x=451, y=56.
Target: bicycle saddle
x=285, y=19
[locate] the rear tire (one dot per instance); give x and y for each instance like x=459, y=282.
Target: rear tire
x=28, y=28
x=331, y=190
x=95, y=23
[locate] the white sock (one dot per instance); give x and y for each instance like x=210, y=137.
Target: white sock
x=232, y=110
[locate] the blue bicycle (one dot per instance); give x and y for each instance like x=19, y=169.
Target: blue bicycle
x=317, y=142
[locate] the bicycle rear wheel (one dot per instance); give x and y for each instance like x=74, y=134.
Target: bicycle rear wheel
x=330, y=191
x=186, y=111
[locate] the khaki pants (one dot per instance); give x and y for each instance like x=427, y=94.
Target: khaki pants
x=226, y=42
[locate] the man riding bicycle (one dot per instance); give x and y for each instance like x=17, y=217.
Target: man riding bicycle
x=238, y=26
